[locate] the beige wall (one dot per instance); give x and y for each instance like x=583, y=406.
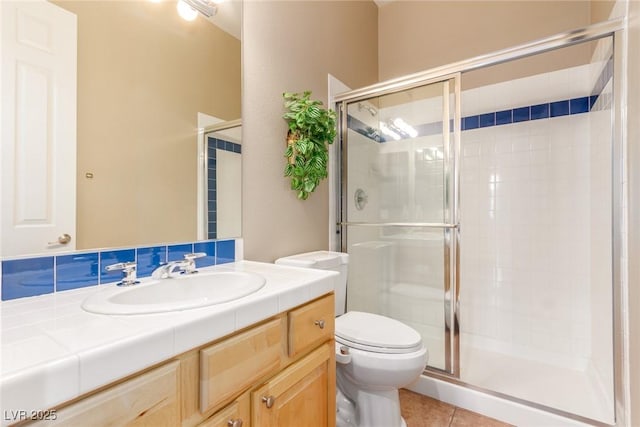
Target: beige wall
x=143, y=75
x=633, y=138
x=292, y=46
x=601, y=10
x=418, y=35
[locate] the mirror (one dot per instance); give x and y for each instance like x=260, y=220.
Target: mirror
x=223, y=176
x=143, y=76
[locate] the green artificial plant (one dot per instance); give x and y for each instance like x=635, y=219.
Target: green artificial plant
x=311, y=128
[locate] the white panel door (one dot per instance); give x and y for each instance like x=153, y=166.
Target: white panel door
x=39, y=63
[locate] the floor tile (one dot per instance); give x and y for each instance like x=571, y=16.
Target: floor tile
x=423, y=411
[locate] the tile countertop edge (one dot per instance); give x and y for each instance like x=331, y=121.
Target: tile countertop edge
x=53, y=382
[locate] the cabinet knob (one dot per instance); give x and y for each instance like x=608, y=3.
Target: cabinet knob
x=235, y=423
x=268, y=400
x=319, y=323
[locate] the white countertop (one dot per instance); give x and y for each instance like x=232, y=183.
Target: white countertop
x=53, y=351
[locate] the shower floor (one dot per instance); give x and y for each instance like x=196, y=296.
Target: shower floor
x=573, y=391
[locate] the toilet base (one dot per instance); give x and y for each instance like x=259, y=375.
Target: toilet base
x=345, y=411
x=373, y=409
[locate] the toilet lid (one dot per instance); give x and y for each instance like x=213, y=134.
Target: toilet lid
x=368, y=331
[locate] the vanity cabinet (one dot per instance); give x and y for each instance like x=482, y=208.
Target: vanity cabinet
x=279, y=372
x=149, y=399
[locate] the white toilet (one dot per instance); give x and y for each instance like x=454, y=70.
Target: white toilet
x=375, y=355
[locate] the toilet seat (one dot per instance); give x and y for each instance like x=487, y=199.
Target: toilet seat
x=375, y=333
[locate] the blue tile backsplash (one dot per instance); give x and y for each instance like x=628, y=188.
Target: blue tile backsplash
x=114, y=257
x=177, y=252
x=226, y=252
x=76, y=271
x=209, y=248
x=149, y=259
x=27, y=277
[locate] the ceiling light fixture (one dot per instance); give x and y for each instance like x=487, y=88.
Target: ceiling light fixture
x=405, y=127
x=387, y=131
x=185, y=11
x=205, y=7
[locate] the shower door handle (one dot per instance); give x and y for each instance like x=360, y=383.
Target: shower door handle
x=401, y=224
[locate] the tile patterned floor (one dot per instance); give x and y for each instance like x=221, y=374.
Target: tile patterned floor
x=423, y=411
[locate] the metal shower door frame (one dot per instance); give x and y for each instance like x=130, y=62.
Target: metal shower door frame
x=450, y=227
x=612, y=28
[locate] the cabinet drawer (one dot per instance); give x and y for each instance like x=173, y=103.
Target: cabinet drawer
x=230, y=366
x=311, y=325
x=150, y=399
x=237, y=412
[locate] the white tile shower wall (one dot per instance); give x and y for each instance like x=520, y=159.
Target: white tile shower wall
x=525, y=218
x=525, y=188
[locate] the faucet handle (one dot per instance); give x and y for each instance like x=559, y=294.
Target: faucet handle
x=124, y=266
x=190, y=260
x=194, y=255
x=128, y=272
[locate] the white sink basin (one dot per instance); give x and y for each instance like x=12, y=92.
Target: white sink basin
x=176, y=293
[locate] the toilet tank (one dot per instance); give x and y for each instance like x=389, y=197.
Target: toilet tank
x=324, y=260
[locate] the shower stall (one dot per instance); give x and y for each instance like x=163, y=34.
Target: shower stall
x=480, y=204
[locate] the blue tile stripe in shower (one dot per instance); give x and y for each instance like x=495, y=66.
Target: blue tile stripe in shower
x=212, y=185
x=531, y=112
x=48, y=274
x=548, y=110
x=225, y=145
x=498, y=118
x=214, y=144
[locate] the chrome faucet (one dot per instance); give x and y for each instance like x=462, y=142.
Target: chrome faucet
x=186, y=266
x=128, y=272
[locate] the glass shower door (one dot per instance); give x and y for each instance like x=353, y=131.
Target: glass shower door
x=398, y=210
x=536, y=301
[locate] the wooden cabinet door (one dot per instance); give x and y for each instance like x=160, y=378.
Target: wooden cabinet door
x=151, y=399
x=235, y=414
x=301, y=395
